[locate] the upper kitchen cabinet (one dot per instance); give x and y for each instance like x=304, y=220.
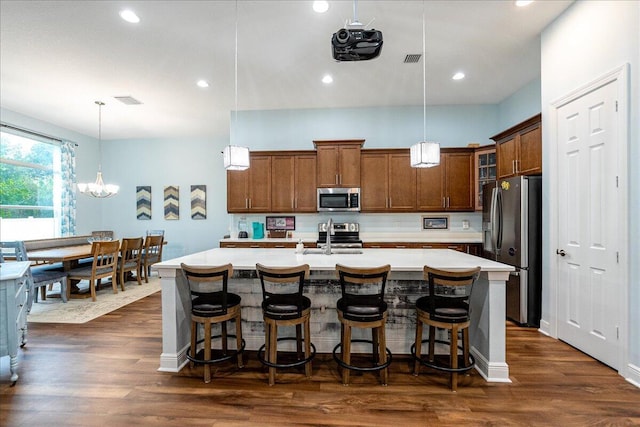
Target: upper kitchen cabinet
x=250, y=190
x=338, y=162
x=449, y=186
x=519, y=149
x=388, y=181
x=293, y=182
x=485, y=168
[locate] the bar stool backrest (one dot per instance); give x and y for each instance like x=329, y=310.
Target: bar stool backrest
x=449, y=293
x=371, y=282
x=283, y=284
x=206, y=285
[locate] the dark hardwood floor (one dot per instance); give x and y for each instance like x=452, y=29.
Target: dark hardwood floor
x=105, y=373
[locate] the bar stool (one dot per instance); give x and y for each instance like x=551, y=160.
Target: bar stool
x=447, y=307
x=211, y=303
x=284, y=305
x=362, y=306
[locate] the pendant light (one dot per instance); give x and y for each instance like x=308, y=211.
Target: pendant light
x=99, y=189
x=235, y=157
x=424, y=154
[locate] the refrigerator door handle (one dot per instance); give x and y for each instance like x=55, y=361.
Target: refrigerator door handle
x=493, y=215
x=499, y=218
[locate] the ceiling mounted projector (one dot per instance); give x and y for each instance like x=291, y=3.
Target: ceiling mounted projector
x=356, y=44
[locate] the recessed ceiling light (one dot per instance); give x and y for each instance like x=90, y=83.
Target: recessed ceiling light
x=202, y=83
x=129, y=16
x=320, y=6
x=523, y=3
x=327, y=79
x=458, y=76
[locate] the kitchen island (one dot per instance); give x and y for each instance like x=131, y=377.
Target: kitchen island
x=405, y=285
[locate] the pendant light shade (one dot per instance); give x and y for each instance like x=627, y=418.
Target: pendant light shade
x=99, y=189
x=236, y=158
x=424, y=154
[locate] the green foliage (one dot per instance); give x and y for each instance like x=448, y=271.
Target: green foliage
x=23, y=185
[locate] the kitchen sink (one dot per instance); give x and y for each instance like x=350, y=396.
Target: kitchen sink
x=336, y=251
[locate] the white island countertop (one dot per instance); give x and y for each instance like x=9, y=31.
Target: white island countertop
x=399, y=259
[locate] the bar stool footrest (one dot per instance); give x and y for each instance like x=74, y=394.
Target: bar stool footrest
x=199, y=357
x=342, y=364
x=286, y=365
x=425, y=362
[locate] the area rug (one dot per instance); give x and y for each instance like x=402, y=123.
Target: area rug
x=53, y=310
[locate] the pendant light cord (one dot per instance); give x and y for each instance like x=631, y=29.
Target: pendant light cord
x=100, y=104
x=424, y=79
x=235, y=67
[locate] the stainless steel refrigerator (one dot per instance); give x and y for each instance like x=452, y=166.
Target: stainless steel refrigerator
x=512, y=229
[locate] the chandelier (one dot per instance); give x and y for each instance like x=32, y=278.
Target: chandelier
x=99, y=189
x=424, y=154
x=235, y=157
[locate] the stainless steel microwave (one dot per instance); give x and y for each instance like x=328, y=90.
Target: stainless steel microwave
x=338, y=199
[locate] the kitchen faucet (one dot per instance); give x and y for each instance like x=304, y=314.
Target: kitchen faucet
x=327, y=246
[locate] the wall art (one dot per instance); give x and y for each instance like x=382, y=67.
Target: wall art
x=143, y=202
x=172, y=202
x=198, y=202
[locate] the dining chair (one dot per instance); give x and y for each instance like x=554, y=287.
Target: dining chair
x=38, y=278
x=130, y=258
x=105, y=263
x=151, y=254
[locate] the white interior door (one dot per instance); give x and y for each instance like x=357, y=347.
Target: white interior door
x=588, y=272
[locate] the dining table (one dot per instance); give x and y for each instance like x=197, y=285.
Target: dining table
x=69, y=256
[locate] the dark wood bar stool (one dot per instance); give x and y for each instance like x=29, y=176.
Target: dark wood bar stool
x=211, y=303
x=362, y=306
x=446, y=307
x=284, y=305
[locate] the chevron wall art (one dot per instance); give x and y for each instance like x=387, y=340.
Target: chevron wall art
x=143, y=202
x=172, y=202
x=198, y=202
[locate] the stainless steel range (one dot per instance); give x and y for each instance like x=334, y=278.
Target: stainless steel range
x=343, y=235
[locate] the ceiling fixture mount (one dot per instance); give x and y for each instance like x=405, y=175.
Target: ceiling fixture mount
x=236, y=158
x=99, y=189
x=320, y=6
x=424, y=154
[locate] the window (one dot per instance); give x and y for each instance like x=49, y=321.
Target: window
x=30, y=186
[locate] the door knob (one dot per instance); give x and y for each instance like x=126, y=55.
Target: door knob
x=560, y=252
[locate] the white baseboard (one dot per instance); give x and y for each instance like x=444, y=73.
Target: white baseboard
x=545, y=328
x=633, y=375
x=491, y=372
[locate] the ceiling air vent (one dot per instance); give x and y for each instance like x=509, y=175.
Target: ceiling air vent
x=128, y=100
x=412, y=58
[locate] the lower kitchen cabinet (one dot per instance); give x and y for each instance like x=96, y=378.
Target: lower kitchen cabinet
x=469, y=248
x=258, y=244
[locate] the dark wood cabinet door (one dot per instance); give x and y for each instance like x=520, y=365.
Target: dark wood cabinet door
x=237, y=191
x=506, y=155
x=530, y=152
x=349, y=166
x=327, y=164
x=305, y=183
x=373, y=196
x=402, y=183
x=260, y=184
x=459, y=182
x=430, y=194
x=282, y=183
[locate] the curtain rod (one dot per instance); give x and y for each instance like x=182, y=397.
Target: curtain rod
x=30, y=132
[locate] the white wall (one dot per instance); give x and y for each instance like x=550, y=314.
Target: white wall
x=519, y=106
x=588, y=40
